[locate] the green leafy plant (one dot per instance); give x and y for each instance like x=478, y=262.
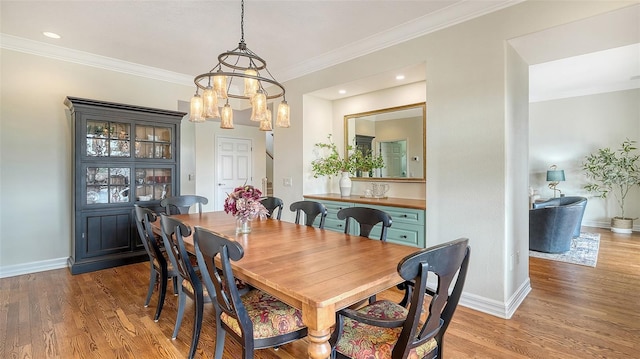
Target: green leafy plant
x=366, y=162
x=330, y=162
x=614, y=172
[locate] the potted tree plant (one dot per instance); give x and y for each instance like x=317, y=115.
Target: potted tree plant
x=330, y=163
x=614, y=172
x=376, y=161
x=365, y=163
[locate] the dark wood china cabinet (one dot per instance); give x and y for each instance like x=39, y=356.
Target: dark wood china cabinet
x=123, y=154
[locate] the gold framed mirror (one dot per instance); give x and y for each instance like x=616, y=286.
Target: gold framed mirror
x=395, y=137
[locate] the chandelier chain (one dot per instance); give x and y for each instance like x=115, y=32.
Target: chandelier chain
x=240, y=64
x=242, y=21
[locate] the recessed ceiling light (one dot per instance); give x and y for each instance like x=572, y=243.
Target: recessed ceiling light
x=400, y=77
x=52, y=35
x=342, y=92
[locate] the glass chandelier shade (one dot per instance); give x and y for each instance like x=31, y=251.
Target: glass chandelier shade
x=282, y=119
x=226, y=120
x=251, y=85
x=220, y=85
x=195, y=109
x=240, y=74
x=210, y=104
x=258, y=106
x=265, y=124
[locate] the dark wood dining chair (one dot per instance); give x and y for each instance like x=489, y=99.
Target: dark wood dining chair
x=255, y=320
x=190, y=285
x=273, y=204
x=388, y=330
x=159, y=263
x=312, y=210
x=182, y=204
x=367, y=218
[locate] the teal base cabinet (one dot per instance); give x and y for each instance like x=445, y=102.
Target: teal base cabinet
x=407, y=228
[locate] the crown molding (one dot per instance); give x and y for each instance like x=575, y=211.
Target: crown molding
x=449, y=16
x=37, y=48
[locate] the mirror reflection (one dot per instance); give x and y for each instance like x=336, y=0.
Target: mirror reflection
x=389, y=143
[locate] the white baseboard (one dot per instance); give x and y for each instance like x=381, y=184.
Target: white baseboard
x=32, y=267
x=607, y=225
x=494, y=307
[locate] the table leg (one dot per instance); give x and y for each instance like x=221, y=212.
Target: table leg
x=319, y=321
x=319, y=347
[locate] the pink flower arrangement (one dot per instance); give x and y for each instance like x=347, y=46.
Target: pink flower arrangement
x=244, y=203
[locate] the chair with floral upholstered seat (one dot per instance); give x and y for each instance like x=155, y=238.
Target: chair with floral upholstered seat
x=160, y=266
x=255, y=320
x=387, y=330
x=189, y=276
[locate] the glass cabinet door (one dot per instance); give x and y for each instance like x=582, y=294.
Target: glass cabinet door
x=107, y=185
x=108, y=139
x=153, y=184
x=153, y=142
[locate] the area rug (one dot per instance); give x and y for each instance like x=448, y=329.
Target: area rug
x=584, y=251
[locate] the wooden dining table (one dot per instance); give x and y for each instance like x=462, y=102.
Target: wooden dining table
x=317, y=271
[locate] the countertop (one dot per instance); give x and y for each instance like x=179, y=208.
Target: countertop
x=389, y=201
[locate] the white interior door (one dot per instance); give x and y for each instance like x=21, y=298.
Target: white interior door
x=392, y=154
x=233, y=159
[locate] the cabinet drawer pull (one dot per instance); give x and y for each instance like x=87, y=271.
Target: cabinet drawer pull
x=405, y=216
x=403, y=236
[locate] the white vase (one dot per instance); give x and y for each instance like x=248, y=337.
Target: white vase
x=345, y=185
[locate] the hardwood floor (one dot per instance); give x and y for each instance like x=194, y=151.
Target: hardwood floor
x=572, y=312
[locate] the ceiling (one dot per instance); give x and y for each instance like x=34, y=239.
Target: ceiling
x=184, y=38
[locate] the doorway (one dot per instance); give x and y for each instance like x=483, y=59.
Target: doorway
x=234, y=157
x=394, y=154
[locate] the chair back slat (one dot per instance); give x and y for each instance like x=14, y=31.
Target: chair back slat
x=173, y=232
x=273, y=205
x=228, y=299
x=144, y=218
x=311, y=210
x=182, y=204
x=367, y=218
x=448, y=262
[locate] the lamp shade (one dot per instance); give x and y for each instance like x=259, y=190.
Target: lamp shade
x=555, y=175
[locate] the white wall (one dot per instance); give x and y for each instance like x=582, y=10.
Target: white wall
x=206, y=142
x=516, y=253
x=187, y=152
x=472, y=137
x=393, y=97
x=318, y=115
x=563, y=132
x=405, y=129
x=35, y=150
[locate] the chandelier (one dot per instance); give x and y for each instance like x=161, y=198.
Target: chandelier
x=244, y=67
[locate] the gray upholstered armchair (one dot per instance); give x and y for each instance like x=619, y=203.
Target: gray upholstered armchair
x=553, y=223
